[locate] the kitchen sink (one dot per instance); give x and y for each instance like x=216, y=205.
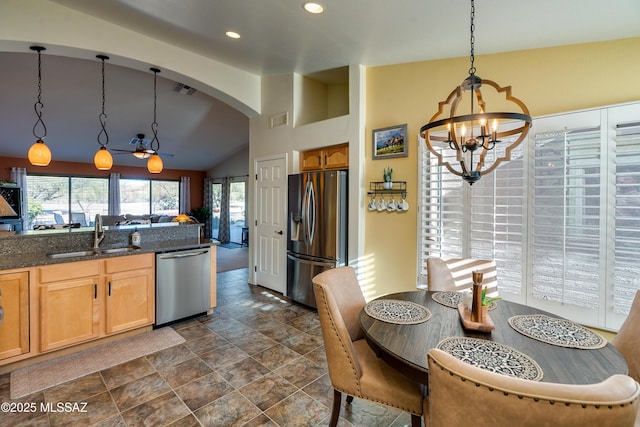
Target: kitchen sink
x=119, y=250
x=75, y=254
x=92, y=252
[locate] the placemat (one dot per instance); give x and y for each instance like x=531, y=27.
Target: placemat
x=453, y=298
x=397, y=311
x=492, y=356
x=560, y=332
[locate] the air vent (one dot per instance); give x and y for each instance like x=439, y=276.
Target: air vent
x=183, y=89
x=281, y=119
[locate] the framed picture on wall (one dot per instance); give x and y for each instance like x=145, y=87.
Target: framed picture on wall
x=390, y=142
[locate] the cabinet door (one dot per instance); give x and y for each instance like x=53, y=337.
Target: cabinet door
x=14, y=328
x=311, y=160
x=130, y=300
x=69, y=312
x=336, y=157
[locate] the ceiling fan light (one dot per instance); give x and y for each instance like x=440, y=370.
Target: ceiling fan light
x=154, y=164
x=39, y=154
x=141, y=154
x=103, y=159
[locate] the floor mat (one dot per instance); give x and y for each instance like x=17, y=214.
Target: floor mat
x=52, y=372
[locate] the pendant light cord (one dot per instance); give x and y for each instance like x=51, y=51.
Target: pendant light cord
x=103, y=117
x=38, y=105
x=155, y=143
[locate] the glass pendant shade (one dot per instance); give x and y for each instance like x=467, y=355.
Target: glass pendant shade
x=39, y=154
x=103, y=159
x=154, y=164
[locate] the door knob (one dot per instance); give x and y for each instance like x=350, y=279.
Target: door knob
x=279, y=232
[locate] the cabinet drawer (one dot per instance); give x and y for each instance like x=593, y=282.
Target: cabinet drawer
x=127, y=263
x=68, y=270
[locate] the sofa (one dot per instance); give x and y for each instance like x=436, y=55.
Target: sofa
x=129, y=219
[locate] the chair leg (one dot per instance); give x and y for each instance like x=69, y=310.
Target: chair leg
x=416, y=420
x=335, y=411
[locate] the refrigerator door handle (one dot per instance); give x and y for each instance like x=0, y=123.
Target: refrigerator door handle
x=309, y=213
x=312, y=213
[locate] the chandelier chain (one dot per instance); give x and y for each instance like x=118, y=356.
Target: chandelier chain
x=38, y=105
x=102, y=117
x=472, y=69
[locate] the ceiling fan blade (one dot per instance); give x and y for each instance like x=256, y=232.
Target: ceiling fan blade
x=165, y=154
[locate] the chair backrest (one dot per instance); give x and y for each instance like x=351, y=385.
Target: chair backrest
x=455, y=274
x=627, y=341
x=462, y=394
x=339, y=300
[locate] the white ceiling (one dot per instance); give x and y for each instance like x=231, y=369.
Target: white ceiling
x=278, y=37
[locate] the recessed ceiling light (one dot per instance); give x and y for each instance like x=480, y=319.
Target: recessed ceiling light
x=232, y=35
x=313, y=7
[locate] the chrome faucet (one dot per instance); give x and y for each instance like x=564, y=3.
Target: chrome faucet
x=98, y=232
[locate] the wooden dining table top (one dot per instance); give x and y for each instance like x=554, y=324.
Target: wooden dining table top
x=405, y=346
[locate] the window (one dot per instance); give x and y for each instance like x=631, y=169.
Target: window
x=236, y=210
x=216, y=202
x=144, y=197
x=64, y=200
x=561, y=219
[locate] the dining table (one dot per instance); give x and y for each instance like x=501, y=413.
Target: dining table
x=405, y=346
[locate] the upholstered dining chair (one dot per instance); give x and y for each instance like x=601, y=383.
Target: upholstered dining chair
x=454, y=274
x=354, y=368
x=627, y=341
x=461, y=395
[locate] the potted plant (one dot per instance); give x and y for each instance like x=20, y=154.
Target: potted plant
x=201, y=214
x=388, y=183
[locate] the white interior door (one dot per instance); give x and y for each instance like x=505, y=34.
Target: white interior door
x=271, y=216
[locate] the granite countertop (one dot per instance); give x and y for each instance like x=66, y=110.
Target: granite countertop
x=24, y=260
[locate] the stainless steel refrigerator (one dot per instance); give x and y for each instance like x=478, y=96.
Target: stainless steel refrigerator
x=316, y=229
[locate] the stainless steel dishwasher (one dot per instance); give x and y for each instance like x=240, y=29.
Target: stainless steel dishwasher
x=182, y=284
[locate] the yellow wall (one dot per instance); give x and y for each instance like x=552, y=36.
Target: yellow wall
x=548, y=81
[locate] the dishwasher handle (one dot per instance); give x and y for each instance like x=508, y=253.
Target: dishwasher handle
x=182, y=255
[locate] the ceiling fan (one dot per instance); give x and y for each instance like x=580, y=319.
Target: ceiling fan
x=141, y=150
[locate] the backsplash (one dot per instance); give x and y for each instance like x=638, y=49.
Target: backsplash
x=51, y=241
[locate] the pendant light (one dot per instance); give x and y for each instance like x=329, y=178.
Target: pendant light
x=469, y=132
x=103, y=159
x=39, y=154
x=154, y=164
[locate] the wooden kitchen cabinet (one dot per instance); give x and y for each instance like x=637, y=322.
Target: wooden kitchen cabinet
x=332, y=157
x=130, y=292
x=14, y=328
x=69, y=303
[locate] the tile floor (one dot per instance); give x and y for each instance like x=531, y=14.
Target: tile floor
x=258, y=360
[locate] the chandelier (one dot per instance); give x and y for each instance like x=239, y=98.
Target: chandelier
x=39, y=154
x=471, y=130
x=154, y=164
x=103, y=159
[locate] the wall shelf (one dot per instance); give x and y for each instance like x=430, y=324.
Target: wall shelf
x=397, y=187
